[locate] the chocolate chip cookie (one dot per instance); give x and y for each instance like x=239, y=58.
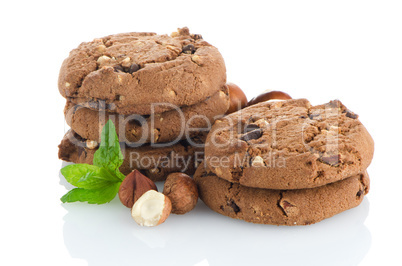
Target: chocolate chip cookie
x=162, y=127
x=155, y=162
x=289, y=145
x=280, y=207
x=126, y=73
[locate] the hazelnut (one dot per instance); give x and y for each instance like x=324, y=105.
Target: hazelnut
x=133, y=187
x=172, y=93
x=104, y=60
x=126, y=62
x=119, y=79
x=155, y=135
x=173, y=48
x=182, y=192
x=154, y=171
x=91, y=144
x=174, y=34
x=258, y=161
x=289, y=208
x=101, y=48
x=238, y=99
x=151, y=209
x=197, y=59
x=270, y=95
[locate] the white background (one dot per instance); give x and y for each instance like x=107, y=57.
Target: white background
x=321, y=50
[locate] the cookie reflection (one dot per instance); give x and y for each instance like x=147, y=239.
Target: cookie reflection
x=107, y=235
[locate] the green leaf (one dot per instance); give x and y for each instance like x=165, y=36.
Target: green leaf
x=100, y=182
x=120, y=175
x=109, y=153
x=88, y=176
x=92, y=196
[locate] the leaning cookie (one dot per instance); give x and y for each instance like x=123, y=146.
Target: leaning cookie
x=289, y=145
x=280, y=207
x=126, y=73
x=162, y=127
x=156, y=163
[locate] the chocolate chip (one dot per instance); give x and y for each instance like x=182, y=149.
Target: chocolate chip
x=234, y=206
x=185, y=144
x=188, y=49
x=319, y=174
x=303, y=116
x=110, y=106
x=351, y=114
x=312, y=116
x=255, y=134
x=333, y=160
x=196, y=36
x=118, y=68
x=250, y=127
x=133, y=68
x=205, y=174
x=359, y=193
x=334, y=104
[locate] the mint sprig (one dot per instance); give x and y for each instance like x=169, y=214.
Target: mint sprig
x=100, y=182
x=109, y=155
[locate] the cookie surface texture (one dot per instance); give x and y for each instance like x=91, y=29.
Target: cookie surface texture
x=128, y=73
x=280, y=207
x=288, y=145
x=160, y=127
x=155, y=162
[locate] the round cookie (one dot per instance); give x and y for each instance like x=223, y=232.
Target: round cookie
x=126, y=73
x=164, y=127
x=280, y=207
x=288, y=145
x=156, y=163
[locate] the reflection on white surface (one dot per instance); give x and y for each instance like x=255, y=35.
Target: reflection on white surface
x=107, y=235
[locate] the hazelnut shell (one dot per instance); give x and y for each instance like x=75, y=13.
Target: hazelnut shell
x=182, y=192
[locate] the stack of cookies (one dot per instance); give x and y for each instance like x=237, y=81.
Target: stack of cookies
x=162, y=92
x=286, y=163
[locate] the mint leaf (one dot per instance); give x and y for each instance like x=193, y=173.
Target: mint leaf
x=88, y=176
x=100, y=182
x=109, y=154
x=92, y=196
